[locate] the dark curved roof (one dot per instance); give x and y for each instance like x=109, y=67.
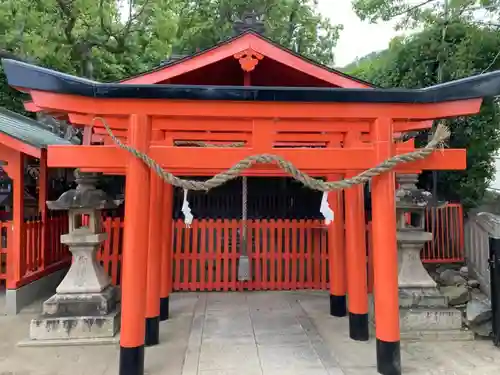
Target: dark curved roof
x=27, y=76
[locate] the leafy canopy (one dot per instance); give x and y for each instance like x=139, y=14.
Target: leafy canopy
x=107, y=41
x=414, y=13
x=413, y=62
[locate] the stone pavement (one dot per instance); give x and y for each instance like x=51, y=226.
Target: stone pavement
x=254, y=333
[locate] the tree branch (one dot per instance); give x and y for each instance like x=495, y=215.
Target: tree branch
x=127, y=29
x=412, y=8
x=65, y=7
x=101, y=19
x=291, y=22
x=492, y=63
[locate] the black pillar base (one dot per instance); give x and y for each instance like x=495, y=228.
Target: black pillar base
x=152, y=336
x=358, y=327
x=338, y=306
x=388, y=358
x=131, y=361
x=164, y=309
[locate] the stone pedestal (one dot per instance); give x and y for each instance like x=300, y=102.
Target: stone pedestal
x=78, y=316
x=424, y=311
x=86, y=307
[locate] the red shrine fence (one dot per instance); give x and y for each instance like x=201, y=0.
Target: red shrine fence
x=42, y=252
x=285, y=254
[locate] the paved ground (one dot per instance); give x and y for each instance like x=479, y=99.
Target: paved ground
x=268, y=333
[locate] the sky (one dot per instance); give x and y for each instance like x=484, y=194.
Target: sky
x=358, y=38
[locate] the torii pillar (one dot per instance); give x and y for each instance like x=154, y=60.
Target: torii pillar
x=355, y=244
x=135, y=264
x=385, y=254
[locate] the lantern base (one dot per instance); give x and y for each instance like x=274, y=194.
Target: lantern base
x=74, y=328
x=81, y=304
x=78, y=316
x=424, y=315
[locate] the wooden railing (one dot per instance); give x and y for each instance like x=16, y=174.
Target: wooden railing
x=42, y=251
x=284, y=254
x=446, y=223
x=5, y=229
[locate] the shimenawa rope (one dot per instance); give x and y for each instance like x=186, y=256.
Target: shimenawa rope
x=440, y=135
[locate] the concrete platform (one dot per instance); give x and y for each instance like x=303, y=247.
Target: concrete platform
x=254, y=333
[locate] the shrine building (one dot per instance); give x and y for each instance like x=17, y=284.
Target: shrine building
x=200, y=115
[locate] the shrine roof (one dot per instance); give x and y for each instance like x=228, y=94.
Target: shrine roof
x=252, y=37
x=31, y=77
x=28, y=131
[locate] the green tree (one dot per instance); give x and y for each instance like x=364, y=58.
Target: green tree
x=100, y=40
x=295, y=24
x=413, y=62
x=411, y=13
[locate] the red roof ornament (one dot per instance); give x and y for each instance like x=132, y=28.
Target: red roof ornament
x=248, y=59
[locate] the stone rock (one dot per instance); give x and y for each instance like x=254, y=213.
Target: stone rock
x=451, y=277
x=484, y=329
x=430, y=319
x=447, y=266
x=478, y=312
x=464, y=271
x=457, y=295
x=473, y=283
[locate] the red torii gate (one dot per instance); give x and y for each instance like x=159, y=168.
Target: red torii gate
x=263, y=113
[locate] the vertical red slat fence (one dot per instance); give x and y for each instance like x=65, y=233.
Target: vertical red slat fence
x=446, y=223
x=5, y=228
x=37, y=258
x=283, y=254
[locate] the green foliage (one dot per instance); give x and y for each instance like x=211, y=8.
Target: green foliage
x=292, y=23
x=413, y=62
x=96, y=39
x=410, y=13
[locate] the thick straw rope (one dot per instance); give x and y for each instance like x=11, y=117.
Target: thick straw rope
x=441, y=134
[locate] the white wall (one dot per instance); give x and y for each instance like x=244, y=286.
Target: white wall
x=495, y=184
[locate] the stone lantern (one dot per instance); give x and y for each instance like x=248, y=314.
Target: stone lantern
x=86, y=305
x=424, y=311
x=410, y=215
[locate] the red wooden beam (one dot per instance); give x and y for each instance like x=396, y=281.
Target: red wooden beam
x=216, y=159
x=243, y=125
x=272, y=110
x=17, y=145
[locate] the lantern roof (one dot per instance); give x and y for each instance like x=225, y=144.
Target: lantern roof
x=85, y=196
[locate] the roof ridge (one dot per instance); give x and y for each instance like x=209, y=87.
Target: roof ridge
x=164, y=64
